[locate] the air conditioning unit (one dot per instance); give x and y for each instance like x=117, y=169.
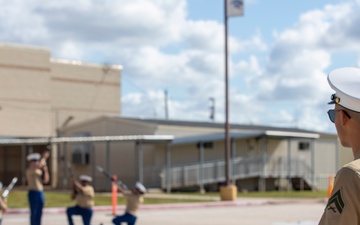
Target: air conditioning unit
x=80, y=153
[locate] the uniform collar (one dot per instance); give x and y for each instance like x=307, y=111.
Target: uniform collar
x=357, y=156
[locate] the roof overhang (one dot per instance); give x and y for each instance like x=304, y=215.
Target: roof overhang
x=287, y=134
x=243, y=135
x=56, y=140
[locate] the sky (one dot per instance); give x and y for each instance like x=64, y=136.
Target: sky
x=280, y=53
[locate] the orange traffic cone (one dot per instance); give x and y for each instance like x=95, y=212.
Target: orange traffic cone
x=331, y=186
x=114, y=194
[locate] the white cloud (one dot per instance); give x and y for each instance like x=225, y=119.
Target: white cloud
x=204, y=35
x=253, y=44
x=300, y=60
x=160, y=48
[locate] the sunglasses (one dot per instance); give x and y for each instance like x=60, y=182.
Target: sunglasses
x=331, y=114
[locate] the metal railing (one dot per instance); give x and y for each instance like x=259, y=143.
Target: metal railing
x=241, y=168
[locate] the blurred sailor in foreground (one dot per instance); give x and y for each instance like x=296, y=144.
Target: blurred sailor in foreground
x=343, y=206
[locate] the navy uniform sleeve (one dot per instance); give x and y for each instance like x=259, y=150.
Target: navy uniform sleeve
x=343, y=207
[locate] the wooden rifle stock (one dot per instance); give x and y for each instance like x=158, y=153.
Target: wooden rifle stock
x=74, y=191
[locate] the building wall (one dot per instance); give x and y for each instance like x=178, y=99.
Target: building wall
x=125, y=127
x=183, y=131
x=345, y=154
x=326, y=159
x=251, y=148
x=121, y=158
x=84, y=91
x=37, y=93
x=25, y=98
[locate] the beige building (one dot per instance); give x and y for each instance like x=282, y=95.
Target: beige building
x=262, y=158
x=75, y=108
x=40, y=95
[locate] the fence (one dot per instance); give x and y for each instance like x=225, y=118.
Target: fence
x=241, y=168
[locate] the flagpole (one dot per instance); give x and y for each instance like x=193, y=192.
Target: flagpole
x=227, y=136
x=228, y=192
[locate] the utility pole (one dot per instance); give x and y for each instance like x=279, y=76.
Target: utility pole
x=212, y=108
x=166, y=104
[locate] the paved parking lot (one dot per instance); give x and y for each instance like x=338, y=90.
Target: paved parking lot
x=251, y=212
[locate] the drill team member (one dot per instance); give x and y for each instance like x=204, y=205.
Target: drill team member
x=343, y=206
x=84, y=195
x=133, y=200
x=3, y=205
x=37, y=174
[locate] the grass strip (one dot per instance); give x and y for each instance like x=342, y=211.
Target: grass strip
x=18, y=199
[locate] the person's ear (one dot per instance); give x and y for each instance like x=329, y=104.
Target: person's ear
x=344, y=118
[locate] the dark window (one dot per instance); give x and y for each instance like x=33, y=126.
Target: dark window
x=206, y=145
x=304, y=146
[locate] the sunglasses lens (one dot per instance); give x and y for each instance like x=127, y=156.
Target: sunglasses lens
x=331, y=114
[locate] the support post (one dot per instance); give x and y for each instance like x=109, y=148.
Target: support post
x=168, y=167
x=140, y=161
x=312, y=148
x=108, y=161
x=289, y=165
x=201, y=167
x=65, y=170
x=23, y=164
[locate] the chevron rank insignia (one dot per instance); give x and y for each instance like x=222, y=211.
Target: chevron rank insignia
x=336, y=203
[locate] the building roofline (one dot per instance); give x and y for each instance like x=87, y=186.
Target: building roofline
x=25, y=47
x=88, y=64
x=221, y=125
x=55, y=140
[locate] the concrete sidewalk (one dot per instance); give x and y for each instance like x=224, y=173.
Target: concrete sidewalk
x=217, y=203
x=243, y=211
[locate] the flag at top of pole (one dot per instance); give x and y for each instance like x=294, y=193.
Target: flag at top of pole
x=235, y=8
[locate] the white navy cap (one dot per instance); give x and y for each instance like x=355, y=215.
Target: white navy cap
x=140, y=187
x=346, y=84
x=85, y=178
x=34, y=157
